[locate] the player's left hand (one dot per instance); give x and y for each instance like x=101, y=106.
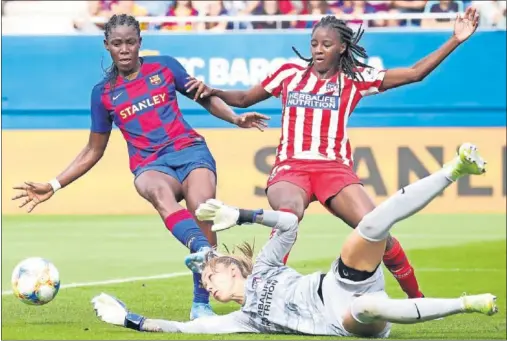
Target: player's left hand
x=466, y=24
x=109, y=309
x=252, y=120
x=222, y=216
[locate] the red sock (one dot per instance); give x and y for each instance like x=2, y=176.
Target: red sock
x=397, y=263
x=273, y=232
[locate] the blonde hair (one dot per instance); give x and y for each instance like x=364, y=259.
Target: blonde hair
x=244, y=260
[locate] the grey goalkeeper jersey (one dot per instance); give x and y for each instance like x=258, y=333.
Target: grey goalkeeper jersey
x=277, y=298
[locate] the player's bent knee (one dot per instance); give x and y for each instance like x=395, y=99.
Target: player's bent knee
x=199, y=187
x=297, y=210
x=363, y=311
x=294, y=208
x=289, y=219
x=288, y=197
x=364, y=317
x=290, y=205
x=372, y=229
x=194, y=198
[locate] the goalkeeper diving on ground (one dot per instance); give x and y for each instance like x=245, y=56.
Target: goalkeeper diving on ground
x=348, y=300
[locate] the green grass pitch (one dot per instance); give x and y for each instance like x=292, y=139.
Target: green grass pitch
x=452, y=254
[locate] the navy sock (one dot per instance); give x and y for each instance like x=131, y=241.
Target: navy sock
x=185, y=229
x=200, y=294
x=183, y=226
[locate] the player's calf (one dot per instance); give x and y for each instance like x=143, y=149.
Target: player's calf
x=399, y=266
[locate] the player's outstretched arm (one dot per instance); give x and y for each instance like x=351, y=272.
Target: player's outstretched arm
x=286, y=225
x=113, y=311
x=86, y=159
x=218, y=108
x=235, y=322
x=32, y=194
x=464, y=26
x=235, y=98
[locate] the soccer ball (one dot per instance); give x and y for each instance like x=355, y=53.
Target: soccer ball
x=35, y=281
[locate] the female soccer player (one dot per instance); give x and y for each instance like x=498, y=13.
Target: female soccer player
x=314, y=157
x=170, y=160
x=347, y=301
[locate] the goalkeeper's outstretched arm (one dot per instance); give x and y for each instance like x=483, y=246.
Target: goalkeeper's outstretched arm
x=236, y=322
x=113, y=311
x=286, y=225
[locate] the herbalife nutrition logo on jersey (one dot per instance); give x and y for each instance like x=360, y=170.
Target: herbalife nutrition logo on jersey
x=307, y=100
x=265, y=300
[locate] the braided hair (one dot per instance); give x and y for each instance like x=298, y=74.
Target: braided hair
x=111, y=72
x=347, y=61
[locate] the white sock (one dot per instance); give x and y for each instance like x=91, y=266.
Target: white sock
x=409, y=200
x=370, y=308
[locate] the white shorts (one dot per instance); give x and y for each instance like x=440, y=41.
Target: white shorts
x=339, y=293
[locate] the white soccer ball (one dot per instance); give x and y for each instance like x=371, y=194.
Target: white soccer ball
x=35, y=281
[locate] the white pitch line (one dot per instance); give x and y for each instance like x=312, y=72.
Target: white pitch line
x=181, y=274
x=116, y=281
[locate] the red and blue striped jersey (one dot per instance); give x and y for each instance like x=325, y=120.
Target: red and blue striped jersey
x=146, y=110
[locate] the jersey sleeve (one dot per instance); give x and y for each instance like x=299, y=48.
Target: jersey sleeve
x=101, y=121
x=179, y=72
x=369, y=81
x=273, y=83
x=235, y=322
x=284, y=237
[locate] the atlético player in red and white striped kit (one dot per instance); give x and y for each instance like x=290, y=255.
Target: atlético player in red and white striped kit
x=315, y=114
x=314, y=157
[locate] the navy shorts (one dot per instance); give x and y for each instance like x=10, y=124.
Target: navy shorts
x=180, y=163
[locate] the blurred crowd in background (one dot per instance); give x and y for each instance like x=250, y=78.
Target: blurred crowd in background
x=50, y=17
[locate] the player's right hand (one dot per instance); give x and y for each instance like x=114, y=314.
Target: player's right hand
x=222, y=216
x=32, y=194
x=201, y=89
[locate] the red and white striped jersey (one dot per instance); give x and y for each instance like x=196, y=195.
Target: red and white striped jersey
x=315, y=112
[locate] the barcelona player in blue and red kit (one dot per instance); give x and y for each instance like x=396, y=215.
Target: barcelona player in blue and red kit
x=169, y=159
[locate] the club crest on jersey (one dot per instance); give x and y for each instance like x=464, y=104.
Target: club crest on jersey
x=255, y=282
x=332, y=87
x=277, y=170
x=307, y=100
x=155, y=80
